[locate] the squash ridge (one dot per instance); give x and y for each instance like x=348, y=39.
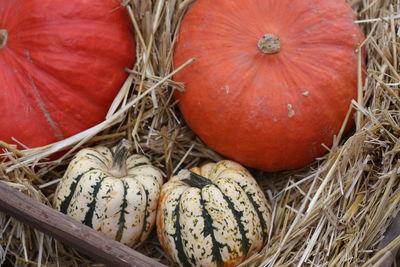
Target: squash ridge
x=92, y=205
x=123, y=212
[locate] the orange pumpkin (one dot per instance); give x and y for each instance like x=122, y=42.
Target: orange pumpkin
x=61, y=65
x=273, y=80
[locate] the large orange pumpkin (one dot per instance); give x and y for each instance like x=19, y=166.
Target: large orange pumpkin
x=61, y=65
x=273, y=80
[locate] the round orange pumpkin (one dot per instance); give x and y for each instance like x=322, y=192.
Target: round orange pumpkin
x=61, y=65
x=273, y=80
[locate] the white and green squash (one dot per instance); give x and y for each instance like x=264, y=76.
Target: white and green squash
x=112, y=191
x=215, y=215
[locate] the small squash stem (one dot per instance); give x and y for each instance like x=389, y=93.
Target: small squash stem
x=3, y=38
x=193, y=179
x=118, y=168
x=269, y=44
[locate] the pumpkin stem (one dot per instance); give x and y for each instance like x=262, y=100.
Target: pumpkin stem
x=3, y=38
x=269, y=44
x=118, y=168
x=193, y=179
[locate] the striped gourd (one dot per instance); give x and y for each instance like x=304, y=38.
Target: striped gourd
x=215, y=215
x=111, y=191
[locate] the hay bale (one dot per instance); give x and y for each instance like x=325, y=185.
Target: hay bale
x=332, y=213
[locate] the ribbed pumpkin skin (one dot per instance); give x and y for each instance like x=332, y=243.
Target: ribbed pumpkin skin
x=219, y=224
x=268, y=111
x=122, y=208
x=62, y=66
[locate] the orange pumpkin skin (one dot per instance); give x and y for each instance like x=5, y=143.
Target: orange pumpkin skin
x=268, y=111
x=61, y=66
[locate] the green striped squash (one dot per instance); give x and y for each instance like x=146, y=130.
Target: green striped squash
x=215, y=215
x=112, y=191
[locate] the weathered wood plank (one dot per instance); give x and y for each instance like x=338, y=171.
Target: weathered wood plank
x=69, y=231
